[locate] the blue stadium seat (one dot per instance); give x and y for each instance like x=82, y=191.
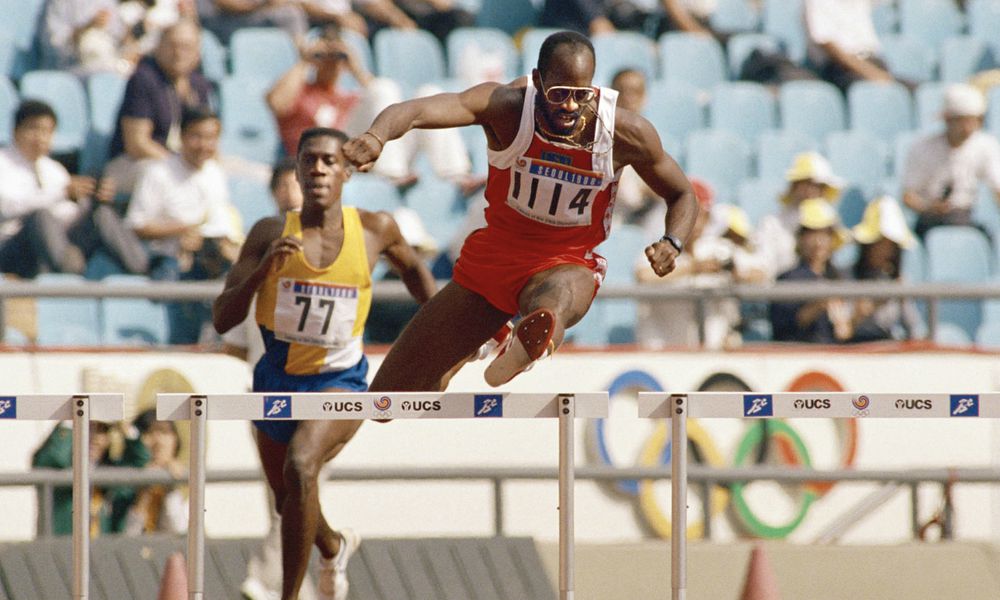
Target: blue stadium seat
x=901, y=149
x=691, y=57
x=816, y=108
x=950, y=334
x=8, y=53
x=858, y=157
x=474, y=43
x=371, y=192
x=248, y=127
x=930, y=21
x=622, y=249
x=531, y=43
x=993, y=112
x=959, y=254
x=734, y=16
x=213, y=56
x=985, y=211
x=22, y=17
x=105, y=92
x=740, y=46
x=929, y=99
x=613, y=321
x=880, y=109
x=984, y=22
x=132, y=321
x=783, y=20
x=673, y=108
x=411, y=57
x=439, y=206
x=913, y=268
x=886, y=18
x=720, y=157
x=360, y=46
x=252, y=200
x=64, y=92
x=262, y=52
x=475, y=143
x=66, y=321
x=623, y=50
x=988, y=335
x=743, y=107
x=9, y=100
x=909, y=58
x=760, y=196
x=776, y=149
x=963, y=56
x=509, y=15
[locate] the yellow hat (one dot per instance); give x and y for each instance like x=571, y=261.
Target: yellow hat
x=812, y=166
x=817, y=213
x=884, y=219
x=738, y=222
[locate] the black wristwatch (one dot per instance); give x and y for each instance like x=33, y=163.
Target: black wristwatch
x=674, y=241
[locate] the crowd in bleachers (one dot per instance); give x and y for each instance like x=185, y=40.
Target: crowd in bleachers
x=739, y=90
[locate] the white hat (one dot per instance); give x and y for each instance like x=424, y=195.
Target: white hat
x=884, y=219
x=962, y=100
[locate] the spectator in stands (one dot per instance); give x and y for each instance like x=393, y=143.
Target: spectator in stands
x=635, y=203
x=589, y=17
x=843, y=44
x=88, y=36
x=109, y=505
x=159, y=507
x=440, y=17
x=225, y=17
x=149, y=18
x=51, y=221
x=163, y=85
x=718, y=253
x=309, y=95
x=810, y=176
x=942, y=172
x=882, y=236
x=825, y=321
x=181, y=209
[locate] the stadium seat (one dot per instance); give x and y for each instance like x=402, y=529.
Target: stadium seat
x=248, y=127
x=371, y=192
x=252, y=200
x=8, y=53
x=359, y=44
x=988, y=335
x=262, y=52
x=613, y=321
x=622, y=249
x=913, y=268
x=743, y=107
x=476, y=44
x=531, y=43
x=691, y=57
x=411, y=57
x=760, y=196
x=858, y=157
x=930, y=21
x=986, y=212
x=993, y=112
x=720, y=157
x=475, y=143
x=962, y=56
x=909, y=58
x=511, y=16
x=66, y=321
x=901, y=149
x=21, y=18
x=880, y=109
x=886, y=18
x=815, y=108
x=959, y=254
x=929, y=99
x=132, y=321
x=984, y=22
x=783, y=20
x=64, y=92
x=623, y=50
x=439, y=206
x=9, y=100
x=213, y=56
x=105, y=92
x=776, y=149
x=734, y=16
x=741, y=45
x=673, y=108
x=950, y=334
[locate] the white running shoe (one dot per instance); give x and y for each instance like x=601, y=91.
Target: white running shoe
x=531, y=341
x=333, y=584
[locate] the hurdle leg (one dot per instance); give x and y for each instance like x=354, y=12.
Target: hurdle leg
x=567, y=479
x=80, y=406
x=196, y=500
x=678, y=497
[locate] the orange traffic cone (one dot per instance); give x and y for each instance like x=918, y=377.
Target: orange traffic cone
x=760, y=583
x=174, y=585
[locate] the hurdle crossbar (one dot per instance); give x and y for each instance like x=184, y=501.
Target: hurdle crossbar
x=200, y=408
x=81, y=409
x=786, y=405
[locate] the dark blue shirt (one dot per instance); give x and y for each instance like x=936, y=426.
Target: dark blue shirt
x=785, y=328
x=571, y=14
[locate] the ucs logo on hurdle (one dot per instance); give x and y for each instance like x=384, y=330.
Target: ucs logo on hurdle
x=488, y=405
x=758, y=405
x=277, y=407
x=8, y=407
x=964, y=405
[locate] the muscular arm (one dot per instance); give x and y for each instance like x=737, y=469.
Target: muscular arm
x=137, y=135
x=404, y=259
x=249, y=271
x=856, y=64
x=282, y=96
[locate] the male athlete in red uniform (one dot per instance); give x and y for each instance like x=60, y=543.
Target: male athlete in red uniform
x=556, y=148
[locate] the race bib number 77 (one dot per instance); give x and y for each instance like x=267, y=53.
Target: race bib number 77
x=552, y=193
x=315, y=313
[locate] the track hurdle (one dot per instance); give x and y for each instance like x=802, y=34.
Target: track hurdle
x=80, y=408
x=785, y=405
x=375, y=405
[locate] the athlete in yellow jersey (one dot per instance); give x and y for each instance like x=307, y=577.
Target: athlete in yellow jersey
x=311, y=273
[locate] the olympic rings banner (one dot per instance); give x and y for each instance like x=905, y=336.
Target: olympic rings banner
x=628, y=510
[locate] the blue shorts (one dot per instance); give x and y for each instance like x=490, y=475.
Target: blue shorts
x=269, y=378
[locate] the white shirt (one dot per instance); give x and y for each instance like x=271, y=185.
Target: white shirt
x=26, y=187
x=775, y=238
x=847, y=24
x=932, y=165
x=171, y=189
x=64, y=17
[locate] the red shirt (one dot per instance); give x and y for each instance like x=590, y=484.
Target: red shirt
x=316, y=106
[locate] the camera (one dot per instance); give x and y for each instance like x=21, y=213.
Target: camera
x=329, y=55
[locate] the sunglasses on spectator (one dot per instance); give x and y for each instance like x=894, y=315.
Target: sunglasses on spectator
x=559, y=94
